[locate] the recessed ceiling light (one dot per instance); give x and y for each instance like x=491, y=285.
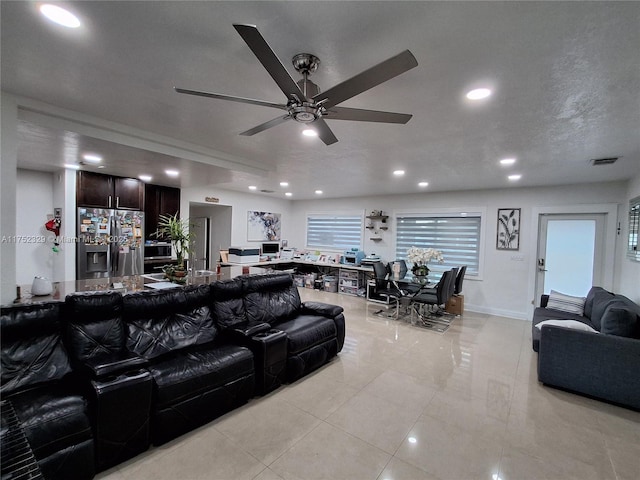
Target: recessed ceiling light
x=288, y=194
x=145, y=178
x=309, y=132
x=319, y=192
x=514, y=178
x=72, y=166
x=284, y=184
x=423, y=184
x=478, y=94
x=92, y=158
x=60, y=16
x=172, y=173
x=398, y=173
x=412, y=440
x=507, y=161
x=252, y=187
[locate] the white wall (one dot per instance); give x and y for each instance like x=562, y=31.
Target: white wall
x=8, y=166
x=241, y=203
x=34, y=196
x=504, y=287
x=629, y=278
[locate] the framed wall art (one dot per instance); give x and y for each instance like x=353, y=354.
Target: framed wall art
x=508, y=236
x=263, y=226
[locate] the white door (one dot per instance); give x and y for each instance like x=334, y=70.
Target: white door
x=570, y=253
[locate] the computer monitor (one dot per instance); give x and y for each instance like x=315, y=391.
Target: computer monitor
x=271, y=249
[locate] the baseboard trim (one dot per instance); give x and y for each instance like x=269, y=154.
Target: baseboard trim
x=497, y=312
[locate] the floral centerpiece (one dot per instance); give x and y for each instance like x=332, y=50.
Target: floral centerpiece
x=420, y=257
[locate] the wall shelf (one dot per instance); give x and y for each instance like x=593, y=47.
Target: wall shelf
x=378, y=224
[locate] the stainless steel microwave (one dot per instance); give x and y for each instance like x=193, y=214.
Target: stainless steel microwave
x=156, y=251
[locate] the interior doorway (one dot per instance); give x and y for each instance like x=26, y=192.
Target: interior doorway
x=212, y=227
x=570, y=253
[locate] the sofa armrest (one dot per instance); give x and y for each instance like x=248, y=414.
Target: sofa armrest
x=602, y=366
x=102, y=366
x=320, y=308
x=241, y=333
x=330, y=311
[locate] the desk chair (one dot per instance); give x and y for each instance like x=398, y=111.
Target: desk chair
x=385, y=287
x=425, y=300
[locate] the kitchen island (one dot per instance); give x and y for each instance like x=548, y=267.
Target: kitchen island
x=129, y=284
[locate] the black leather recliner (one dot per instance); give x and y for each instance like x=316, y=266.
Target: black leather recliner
x=38, y=381
x=118, y=386
x=269, y=306
x=196, y=376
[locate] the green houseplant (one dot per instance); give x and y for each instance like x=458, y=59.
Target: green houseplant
x=177, y=231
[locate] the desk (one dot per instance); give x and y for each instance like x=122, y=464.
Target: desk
x=351, y=278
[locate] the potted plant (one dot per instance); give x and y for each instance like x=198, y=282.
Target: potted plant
x=177, y=231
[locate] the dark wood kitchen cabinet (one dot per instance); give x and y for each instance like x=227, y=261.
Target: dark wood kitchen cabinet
x=105, y=191
x=159, y=200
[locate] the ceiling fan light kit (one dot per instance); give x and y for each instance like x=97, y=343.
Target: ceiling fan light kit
x=305, y=101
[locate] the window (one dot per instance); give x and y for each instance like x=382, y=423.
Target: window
x=333, y=231
x=457, y=236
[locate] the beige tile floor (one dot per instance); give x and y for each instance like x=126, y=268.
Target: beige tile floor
x=403, y=403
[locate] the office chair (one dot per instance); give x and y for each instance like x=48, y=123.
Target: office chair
x=443, y=292
x=384, y=287
x=458, y=285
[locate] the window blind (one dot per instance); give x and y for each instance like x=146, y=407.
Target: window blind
x=337, y=232
x=457, y=237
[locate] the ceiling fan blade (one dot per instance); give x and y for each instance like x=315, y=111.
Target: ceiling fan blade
x=266, y=125
x=324, y=132
x=360, y=115
x=270, y=61
x=220, y=96
x=362, y=82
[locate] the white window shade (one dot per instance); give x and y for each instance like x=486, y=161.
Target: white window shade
x=456, y=236
x=334, y=232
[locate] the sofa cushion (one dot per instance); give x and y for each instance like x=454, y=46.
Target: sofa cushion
x=566, y=303
x=271, y=298
x=94, y=326
x=172, y=320
x=620, y=319
x=198, y=370
x=52, y=418
x=306, y=331
x=228, y=302
x=600, y=301
x=32, y=348
x=598, y=293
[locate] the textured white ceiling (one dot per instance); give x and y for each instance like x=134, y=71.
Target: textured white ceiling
x=566, y=80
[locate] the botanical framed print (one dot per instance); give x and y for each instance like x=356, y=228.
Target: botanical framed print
x=508, y=236
x=263, y=226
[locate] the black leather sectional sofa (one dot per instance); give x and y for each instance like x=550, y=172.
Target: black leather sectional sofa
x=97, y=379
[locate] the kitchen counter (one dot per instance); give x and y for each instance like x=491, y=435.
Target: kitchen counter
x=128, y=284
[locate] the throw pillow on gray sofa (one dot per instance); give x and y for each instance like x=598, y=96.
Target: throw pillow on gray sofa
x=619, y=319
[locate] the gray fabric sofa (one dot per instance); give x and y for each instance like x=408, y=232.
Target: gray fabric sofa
x=604, y=364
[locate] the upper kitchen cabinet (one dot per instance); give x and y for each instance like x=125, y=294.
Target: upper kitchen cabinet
x=105, y=191
x=159, y=201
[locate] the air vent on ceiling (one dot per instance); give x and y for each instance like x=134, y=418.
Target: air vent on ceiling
x=604, y=161
x=267, y=191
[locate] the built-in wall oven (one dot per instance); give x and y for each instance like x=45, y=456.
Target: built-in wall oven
x=157, y=251
x=156, y=256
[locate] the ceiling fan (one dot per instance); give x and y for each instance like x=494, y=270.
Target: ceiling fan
x=305, y=102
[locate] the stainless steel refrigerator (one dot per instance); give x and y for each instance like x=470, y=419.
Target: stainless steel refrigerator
x=110, y=243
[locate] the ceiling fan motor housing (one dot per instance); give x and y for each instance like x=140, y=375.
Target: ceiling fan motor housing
x=305, y=113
